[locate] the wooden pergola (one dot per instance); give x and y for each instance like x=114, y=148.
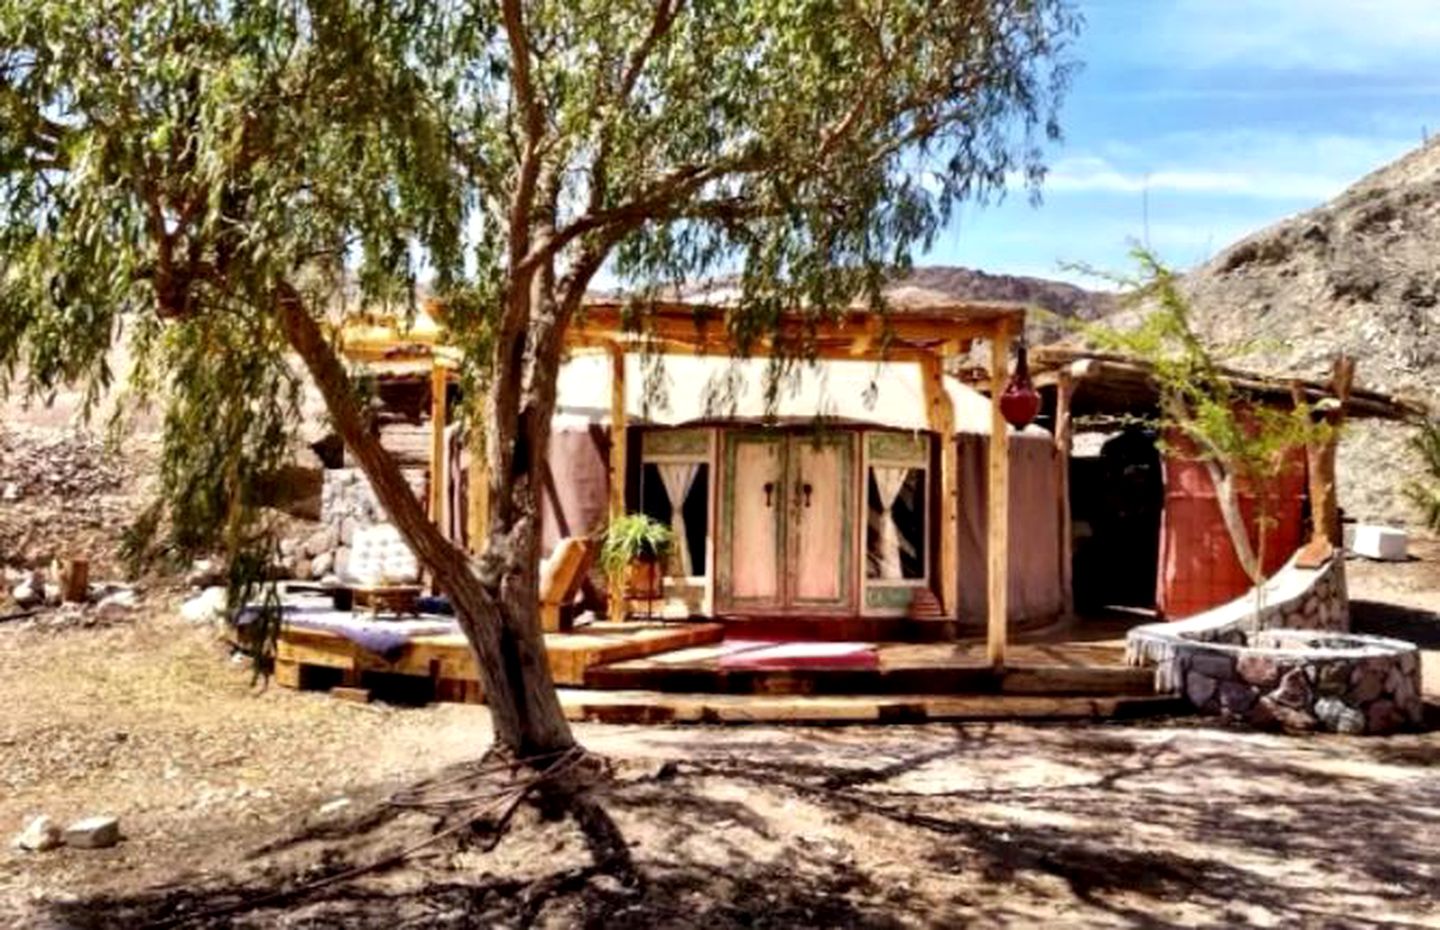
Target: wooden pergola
x=928, y=334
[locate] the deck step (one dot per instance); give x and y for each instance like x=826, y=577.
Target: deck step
x=651, y=707
x=642, y=675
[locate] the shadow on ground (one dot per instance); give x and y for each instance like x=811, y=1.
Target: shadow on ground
x=900, y=827
x=1421, y=627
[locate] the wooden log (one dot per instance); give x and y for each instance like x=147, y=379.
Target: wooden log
x=74, y=580
x=998, y=547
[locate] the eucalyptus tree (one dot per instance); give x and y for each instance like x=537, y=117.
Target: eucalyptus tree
x=198, y=177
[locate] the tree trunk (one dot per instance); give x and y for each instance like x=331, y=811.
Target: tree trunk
x=504, y=630
x=1227, y=497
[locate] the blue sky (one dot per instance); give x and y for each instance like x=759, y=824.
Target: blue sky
x=1215, y=118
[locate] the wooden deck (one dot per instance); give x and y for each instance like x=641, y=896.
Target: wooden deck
x=1070, y=668
x=688, y=672
x=305, y=658
x=650, y=707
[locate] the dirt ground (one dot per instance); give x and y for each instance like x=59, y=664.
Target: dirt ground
x=222, y=791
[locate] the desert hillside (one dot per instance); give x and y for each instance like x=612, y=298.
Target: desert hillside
x=1360, y=274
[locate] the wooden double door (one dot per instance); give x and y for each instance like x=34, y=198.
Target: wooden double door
x=787, y=524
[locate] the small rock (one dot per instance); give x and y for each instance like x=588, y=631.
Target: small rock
x=1270, y=712
x=1332, y=678
x=11, y=493
x=93, y=833
x=1336, y=715
x=1212, y=664
x=39, y=835
x=116, y=606
x=1199, y=689
x=204, y=573
x=321, y=541
x=333, y=807
x=1258, y=670
x=207, y=606
x=1294, y=689
x=321, y=564
x=1383, y=717
x=27, y=594
x=1236, y=698
x=607, y=884
x=1367, y=683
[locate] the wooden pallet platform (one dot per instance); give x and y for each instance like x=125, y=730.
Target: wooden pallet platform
x=649, y=707
x=446, y=659
x=936, y=669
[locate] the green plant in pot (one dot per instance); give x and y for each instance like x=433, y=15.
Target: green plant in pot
x=635, y=548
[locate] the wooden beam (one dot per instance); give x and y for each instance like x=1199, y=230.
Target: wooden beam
x=940, y=412
x=617, y=464
x=708, y=335
x=439, y=382
x=998, y=492
x=1065, y=388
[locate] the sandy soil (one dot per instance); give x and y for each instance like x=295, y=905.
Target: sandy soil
x=220, y=788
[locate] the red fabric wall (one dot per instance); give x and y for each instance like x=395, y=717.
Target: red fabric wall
x=1198, y=567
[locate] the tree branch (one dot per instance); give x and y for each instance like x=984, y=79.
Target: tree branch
x=309, y=342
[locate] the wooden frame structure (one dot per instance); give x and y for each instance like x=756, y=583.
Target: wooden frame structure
x=930, y=335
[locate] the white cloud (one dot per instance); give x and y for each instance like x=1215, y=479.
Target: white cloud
x=1254, y=164
x=1331, y=35
x=1099, y=176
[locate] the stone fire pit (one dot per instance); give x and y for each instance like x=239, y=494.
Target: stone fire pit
x=1268, y=672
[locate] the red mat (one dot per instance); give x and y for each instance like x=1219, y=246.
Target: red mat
x=762, y=655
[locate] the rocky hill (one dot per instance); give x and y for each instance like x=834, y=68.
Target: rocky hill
x=1057, y=298
x=1360, y=274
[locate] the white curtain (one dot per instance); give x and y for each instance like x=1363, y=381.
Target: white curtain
x=889, y=481
x=678, y=477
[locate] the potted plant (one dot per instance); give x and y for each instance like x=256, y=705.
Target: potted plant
x=635, y=548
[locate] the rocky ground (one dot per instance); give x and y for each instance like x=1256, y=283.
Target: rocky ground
x=227, y=791
x=64, y=493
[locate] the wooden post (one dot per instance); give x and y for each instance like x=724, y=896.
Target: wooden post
x=1327, y=535
x=617, y=464
x=1064, y=388
x=941, y=415
x=439, y=382
x=998, y=492
x=73, y=577
x=1325, y=501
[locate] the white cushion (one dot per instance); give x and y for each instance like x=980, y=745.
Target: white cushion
x=378, y=555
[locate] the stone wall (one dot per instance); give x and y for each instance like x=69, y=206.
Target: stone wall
x=1291, y=666
x=347, y=504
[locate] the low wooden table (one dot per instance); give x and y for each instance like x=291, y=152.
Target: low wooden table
x=392, y=598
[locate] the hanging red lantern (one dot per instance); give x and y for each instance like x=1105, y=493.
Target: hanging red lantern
x=1020, y=402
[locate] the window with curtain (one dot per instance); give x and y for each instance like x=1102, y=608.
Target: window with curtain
x=895, y=537
x=677, y=493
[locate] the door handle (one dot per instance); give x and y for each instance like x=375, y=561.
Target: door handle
x=769, y=490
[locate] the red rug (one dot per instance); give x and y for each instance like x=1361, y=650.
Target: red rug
x=772, y=655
